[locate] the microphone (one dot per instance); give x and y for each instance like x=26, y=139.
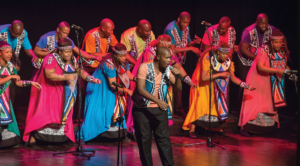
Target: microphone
x=292, y=71
x=75, y=26
x=116, y=84
x=206, y=23
x=178, y=75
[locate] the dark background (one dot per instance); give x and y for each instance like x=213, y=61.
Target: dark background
x=40, y=17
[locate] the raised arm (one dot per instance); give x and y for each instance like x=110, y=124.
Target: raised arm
x=84, y=75
x=41, y=52
x=6, y=79
x=30, y=53
x=86, y=55
x=51, y=75
x=186, y=49
x=261, y=64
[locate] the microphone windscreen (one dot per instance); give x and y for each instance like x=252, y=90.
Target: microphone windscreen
x=171, y=67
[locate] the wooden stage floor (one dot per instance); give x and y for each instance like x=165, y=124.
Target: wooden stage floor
x=278, y=149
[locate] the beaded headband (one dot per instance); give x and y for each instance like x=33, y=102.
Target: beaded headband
x=119, y=52
x=5, y=47
x=276, y=37
x=65, y=48
x=164, y=42
x=224, y=49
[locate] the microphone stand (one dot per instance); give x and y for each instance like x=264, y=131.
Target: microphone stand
x=209, y=141
x=79, y=151
x=119, y=120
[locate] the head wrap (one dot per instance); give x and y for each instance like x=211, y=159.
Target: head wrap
x=5, y=47
x=224, y=49
x=120, y=52
x=65, y=48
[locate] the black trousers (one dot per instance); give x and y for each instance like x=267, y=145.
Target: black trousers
x=146, y=121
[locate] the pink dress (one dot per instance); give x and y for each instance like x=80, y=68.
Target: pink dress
x=46, y=105
x=257, y=106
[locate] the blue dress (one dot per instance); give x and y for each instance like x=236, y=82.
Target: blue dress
x=100, y=104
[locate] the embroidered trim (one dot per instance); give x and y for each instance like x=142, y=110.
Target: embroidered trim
x=276, y=37
x=61, y=63
x=185, y=34
x=52, y=129
x=123, y=76
x=19, y=44
x=50, y=43
x=7, y=134
x=216, y=38
x=181, y=43
x=134, y=47
x=224, y=49
x=120, y=52
x=5, y=47
x=20, y=39
x=90, y=62
x=65, y=48
x=254, y=41
x=270, y=55
x=245, y=61
x=50, y=60
x=164, y=42
x=217, y=66
x=10, y=67
x=141, y=102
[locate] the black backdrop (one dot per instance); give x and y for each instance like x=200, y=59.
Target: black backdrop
x=40, y=17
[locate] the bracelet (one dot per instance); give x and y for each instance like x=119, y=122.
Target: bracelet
x=135, y=79
x=26, y=83
x=89, y=78
x=37, y=65
x=187, y=79
x=285, y=71
x=244, y=85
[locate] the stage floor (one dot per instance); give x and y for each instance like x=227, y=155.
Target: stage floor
x=278, y=149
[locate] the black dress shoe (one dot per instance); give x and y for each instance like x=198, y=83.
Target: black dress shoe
x=244, y=133
x=192, y=135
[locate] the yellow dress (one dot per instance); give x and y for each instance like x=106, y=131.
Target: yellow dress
x=199, y=97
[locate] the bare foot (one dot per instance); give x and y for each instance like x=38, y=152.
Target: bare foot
x=32, y=140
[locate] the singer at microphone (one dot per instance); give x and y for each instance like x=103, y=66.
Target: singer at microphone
x=221, y=34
